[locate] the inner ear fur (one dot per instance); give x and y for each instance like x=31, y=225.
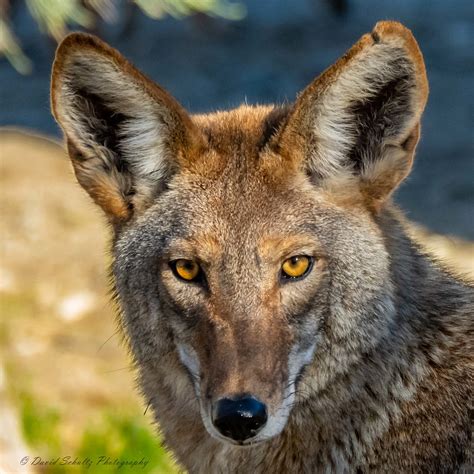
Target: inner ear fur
x=359, y=122
x=125, y=134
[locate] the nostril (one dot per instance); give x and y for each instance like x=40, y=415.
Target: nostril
x=239, y=418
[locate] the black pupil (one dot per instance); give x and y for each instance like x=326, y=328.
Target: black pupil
x=189, y=266
x=294, y=260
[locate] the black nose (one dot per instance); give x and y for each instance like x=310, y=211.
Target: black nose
x=240, y=417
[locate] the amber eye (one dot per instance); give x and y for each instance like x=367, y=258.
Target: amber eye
x=186, y=269
x=296, y=267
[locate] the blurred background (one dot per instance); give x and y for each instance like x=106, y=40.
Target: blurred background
x=66, y=385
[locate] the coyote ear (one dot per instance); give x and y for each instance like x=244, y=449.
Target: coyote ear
x=125, y=134
x=360, y=118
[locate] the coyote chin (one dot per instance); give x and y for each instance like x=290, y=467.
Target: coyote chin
x=280, y=318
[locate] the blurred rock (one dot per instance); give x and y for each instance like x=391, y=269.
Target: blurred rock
x=76, y=306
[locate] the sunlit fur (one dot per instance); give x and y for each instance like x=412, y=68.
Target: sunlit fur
x=365, y=363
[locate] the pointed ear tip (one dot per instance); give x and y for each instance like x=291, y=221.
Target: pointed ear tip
x=73, y=42
x=390, y=29
x=78, y=39
x=385, y=31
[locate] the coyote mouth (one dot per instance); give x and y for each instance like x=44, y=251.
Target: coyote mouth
x=248, y=443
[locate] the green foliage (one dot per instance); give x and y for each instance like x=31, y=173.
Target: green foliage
x=180, y=8
x=110, y=444
x=10, y=48
x=39, y=425
x=54, y=17
x=121, y=438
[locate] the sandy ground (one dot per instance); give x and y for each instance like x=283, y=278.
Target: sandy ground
x=58, y=340
x=59, y=343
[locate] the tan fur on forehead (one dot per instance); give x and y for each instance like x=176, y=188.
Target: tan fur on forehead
x=203, y=245
x=276, y=246
x=229, y=129
x=237, y=138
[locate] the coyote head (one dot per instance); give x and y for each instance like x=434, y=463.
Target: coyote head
x=249, y=257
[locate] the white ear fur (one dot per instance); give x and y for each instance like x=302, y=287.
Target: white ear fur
x=360, y=116
x=141, y=135
x=335, y=125
x=123, y=131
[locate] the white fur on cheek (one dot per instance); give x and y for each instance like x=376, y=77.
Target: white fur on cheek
x=190, y=360
x=276, y=423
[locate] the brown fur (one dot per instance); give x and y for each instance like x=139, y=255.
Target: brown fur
x=366, y=363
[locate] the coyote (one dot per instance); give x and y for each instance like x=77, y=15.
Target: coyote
x=279, y=315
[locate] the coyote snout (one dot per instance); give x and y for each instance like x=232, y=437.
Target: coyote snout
x=244, y=349
x=256, y=415
x=271, y=296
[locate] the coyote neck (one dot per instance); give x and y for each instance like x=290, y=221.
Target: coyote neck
x=357, y=417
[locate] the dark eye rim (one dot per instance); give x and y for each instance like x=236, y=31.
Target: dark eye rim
x=199, y=278
x=284, y=278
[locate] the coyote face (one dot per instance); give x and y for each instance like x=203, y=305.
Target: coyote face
x=253, y=288
x=244, y=284
x=250, y=257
